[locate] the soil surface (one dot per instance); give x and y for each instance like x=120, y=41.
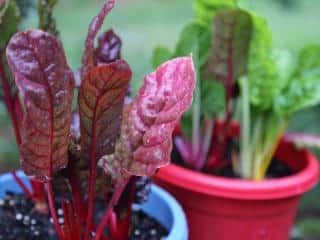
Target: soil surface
x=20, y=221
x=277, y=169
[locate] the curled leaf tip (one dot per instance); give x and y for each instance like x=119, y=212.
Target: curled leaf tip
x=88, y=59
x=109, y=47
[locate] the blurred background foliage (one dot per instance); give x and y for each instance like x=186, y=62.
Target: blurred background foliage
x=143, y=24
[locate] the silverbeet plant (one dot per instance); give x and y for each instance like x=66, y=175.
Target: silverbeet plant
x=242, y=78
x=103, y=132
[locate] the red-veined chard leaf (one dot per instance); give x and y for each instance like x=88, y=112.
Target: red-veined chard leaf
x=109, y=47
x=232, y=30
x=148, y=122
x=46, y=84
x=101, y=99
x=107, y=51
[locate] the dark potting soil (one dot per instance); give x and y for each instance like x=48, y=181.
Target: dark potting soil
x=20, y=221
x=277, y=169
x=146, y=228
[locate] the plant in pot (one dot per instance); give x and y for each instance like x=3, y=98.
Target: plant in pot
x=84, y=158
x=235, y=172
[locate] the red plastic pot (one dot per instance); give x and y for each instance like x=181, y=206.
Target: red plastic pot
x=218, y=208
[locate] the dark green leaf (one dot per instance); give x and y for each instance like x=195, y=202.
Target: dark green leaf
x=196, y=39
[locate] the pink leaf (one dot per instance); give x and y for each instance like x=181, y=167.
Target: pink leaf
x=148, y=122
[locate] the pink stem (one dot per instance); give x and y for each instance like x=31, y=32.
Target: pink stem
x=77, y=198
x=71, y=222
x=92, y=178
x=53, y=210
x=119, y=188
x=39, y=193
x=21, y=184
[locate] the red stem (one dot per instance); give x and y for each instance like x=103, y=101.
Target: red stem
x=21, y=184
x=71, y=222
x=39, y=193
x=9, y=102
x=18, y=108
x=92, y=178
x=119, y=188
x=53, y=210
x=125, y=223
x=77, y=198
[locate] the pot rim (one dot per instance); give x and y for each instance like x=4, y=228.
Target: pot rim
x=241, y=189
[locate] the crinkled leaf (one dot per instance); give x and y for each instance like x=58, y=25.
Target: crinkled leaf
x=145, y=143
x=205, y=10
x=101, y=99
x=263, y=77
x=286, y=63
x=160, y=55
x=196, y=39
x=46, y=84
x=109, y=47
x=232, y=31
x=303, y=88
x=89, y=57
